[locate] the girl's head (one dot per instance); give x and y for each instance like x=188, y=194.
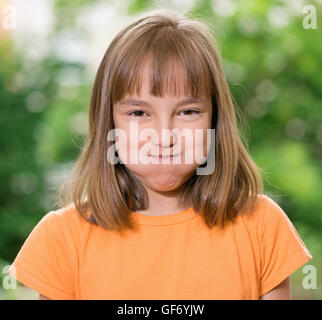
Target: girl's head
x=163, y=71
x=156, y=113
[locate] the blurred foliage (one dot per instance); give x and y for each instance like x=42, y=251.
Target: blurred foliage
x=274, y=72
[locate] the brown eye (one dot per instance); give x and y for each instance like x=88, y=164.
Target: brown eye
x=190, y=112
x=136, y=113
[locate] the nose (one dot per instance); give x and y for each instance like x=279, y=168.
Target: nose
x=165, y=138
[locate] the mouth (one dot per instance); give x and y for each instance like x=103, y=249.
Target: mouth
x=165, y=156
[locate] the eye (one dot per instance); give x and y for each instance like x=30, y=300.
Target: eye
x=190, y=112
x=136, y=114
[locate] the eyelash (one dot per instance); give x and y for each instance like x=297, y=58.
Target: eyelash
x=195, y=112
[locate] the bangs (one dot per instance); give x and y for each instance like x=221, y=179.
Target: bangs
x=165, y=57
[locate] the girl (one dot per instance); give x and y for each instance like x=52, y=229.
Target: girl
x=165, y=229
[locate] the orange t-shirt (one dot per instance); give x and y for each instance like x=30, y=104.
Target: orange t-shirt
x=174, y=256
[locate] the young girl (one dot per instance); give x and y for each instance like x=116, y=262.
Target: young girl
x=164, y=229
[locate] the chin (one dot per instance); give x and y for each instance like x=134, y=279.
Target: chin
x=162, y=178
x=163, y=183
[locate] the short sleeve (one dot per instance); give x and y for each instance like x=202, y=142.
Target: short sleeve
x=282, y=250
x=46, y=261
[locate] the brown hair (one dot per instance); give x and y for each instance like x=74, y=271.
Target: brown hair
x=110, y=191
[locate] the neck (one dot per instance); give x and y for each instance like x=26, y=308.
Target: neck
x=162, y=203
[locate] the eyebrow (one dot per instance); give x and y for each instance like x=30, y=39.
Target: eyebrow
x=147, y=104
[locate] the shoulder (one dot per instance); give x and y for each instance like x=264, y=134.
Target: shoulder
x=274, y=217
x=65, y=214
x=267, y=217
x=266, y=210
x=273, y=226
x=66, y=220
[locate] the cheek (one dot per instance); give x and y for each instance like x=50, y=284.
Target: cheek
x=206, y=142
x=194, y=147
x=129, y=149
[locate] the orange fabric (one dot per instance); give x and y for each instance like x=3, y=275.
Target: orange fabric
x=175, y=256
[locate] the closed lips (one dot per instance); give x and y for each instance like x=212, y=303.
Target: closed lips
x=164, y=156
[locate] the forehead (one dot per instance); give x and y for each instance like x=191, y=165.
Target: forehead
x=171, y=82
x=173, y=85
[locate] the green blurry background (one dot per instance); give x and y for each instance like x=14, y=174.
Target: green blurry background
x=47, y=67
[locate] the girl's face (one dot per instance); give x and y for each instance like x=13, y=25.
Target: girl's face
x=151, y=116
